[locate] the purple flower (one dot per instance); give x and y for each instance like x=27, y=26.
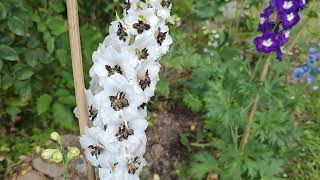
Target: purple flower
x=289, y=20
x=287, y=6
x=301, y=3
x=279, y=54
x=283, y=37
x=275, y=32
x=266, y=43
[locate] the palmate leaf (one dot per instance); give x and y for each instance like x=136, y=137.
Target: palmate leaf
x=273, y=127
x=202, y=163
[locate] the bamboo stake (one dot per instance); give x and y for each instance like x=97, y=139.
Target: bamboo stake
x=252, y=113
x=74, y=36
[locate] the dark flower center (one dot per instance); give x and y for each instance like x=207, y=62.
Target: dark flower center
x=124, y=132
x=142, y=106
x=133, y=166
x=121, y=33
x=140, y=26
x=112, y=71
x=166, y=3
x=145, y=82
x=161, y=36
x=95, y=150
x=92, y=113
x=128, y=6
x=143, y=54
x=119, y=101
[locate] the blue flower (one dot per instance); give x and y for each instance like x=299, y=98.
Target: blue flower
x=310, y=79
x=310, y=70
x=297, y=74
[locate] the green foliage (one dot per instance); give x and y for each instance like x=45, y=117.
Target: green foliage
x=221, y=83
x=36, y=79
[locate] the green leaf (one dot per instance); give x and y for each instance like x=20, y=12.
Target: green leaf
x=185, y=141
x=43, y=103
x=61, y=55
x=24, y=74
x=58, y=6
x=1, y=65
x=33, y=42
x=16, y=26
x=18, y=102
x=63, y=116
x=7, y=53
x=3, y=11
x=32, y=58
x=13, y=110
x=57, y=25
x=7, y=81
x=202, y=163
x=163, y=88
x=50, y=45
x=193, y=102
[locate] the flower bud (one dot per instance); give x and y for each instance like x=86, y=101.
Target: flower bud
x=47, y=153
x=57, y=157
x=72, y=152
x=56, y=137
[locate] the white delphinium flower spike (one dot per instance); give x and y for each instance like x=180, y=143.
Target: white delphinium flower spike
x=124, y=75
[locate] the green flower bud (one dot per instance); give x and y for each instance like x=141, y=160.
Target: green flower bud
x=72, y=152
x=57, y=157
x=56, y=137
x=47, y=153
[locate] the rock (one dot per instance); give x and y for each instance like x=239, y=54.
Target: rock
x=47, y=168
x=32, y=175
x=70, y=140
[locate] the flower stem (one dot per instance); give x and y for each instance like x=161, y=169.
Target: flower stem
x=246, y=132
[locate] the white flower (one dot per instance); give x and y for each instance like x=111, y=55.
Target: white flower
x=128, y=168
x=163, y=8
x=147, y=78
x=127, y=132
x=108, y=62
x=141, y=21
x=118, y=93
x=145, y=48
x=94, y=150
x=163, y=38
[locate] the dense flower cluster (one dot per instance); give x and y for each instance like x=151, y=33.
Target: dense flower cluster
x=124, y=77
x=310, y=70
x=275, y=24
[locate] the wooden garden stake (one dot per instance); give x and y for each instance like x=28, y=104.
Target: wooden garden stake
x=74, y=36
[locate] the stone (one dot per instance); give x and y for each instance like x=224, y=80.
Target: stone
x=47, y=168
x=32, y=175
x=70, y=140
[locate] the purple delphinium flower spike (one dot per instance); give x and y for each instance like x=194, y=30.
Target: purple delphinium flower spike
x=275, y=32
